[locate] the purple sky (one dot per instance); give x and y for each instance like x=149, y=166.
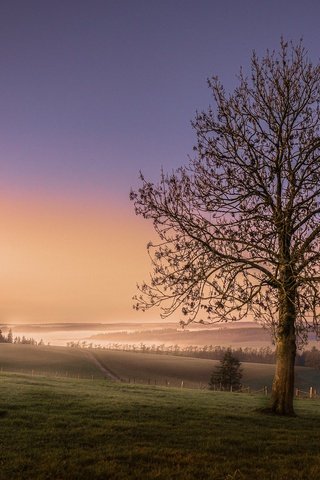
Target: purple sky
x=92, y=91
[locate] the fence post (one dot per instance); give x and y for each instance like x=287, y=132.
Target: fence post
x=181, y=383
x=311, y=392
x=297, y=392
x=266, y=390
x=230, y=388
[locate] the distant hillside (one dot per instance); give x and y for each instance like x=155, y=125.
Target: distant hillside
x=54, y=327
x=134, y=367
x=244, y=336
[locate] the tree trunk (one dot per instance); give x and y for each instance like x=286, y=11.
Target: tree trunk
x=283, y=382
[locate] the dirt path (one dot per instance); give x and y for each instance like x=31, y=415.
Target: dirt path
x=106, y=373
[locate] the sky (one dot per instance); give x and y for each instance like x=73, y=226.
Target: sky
x=92, y=92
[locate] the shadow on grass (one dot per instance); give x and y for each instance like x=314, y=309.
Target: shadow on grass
x=270, y=412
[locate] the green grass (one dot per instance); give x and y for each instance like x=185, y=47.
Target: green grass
x=80, y=429
x=194, y=372
x=56, y=361
x=136, y=367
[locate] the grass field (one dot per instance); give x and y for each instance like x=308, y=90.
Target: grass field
x=57, y=361
x=194, y=372
x=78, y=429
x=136, y=367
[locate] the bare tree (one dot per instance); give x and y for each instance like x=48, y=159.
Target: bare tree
x=239, y=225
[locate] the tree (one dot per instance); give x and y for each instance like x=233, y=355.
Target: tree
x=228, y=374
x=239, y=225
x=10, y=336
x=2, y=338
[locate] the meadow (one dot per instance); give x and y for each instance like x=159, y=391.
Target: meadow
x=135, y=367
x=195, y=372
x=53, y=428
x=47, y=360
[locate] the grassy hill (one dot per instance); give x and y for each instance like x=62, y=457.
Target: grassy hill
x=78, y=429
x=195, y=372
x=57, y=361
x=135, y=367
x=253, y=336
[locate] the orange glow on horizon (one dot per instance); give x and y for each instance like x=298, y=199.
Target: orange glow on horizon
x=66, y=263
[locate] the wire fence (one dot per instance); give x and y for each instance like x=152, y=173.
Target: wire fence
x=133, y=380
x=311, y=393
x=243, y=389
x=51, y=373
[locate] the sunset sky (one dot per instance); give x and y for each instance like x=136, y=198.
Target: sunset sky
x=92, y=91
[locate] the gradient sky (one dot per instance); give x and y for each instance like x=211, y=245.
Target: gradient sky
x=92, y=91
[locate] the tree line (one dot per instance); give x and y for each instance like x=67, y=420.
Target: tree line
x=9, y=338
x=305, y=358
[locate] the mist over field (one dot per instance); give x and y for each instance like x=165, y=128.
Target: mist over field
x=244, y=334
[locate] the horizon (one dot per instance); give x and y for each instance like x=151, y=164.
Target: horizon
x=106, y=335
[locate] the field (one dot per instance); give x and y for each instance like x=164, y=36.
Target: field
x=194, y=372
x=78, y=429
x=57, y=361
x=130, y=367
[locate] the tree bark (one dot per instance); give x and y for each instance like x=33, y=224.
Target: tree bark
x=283, y=383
